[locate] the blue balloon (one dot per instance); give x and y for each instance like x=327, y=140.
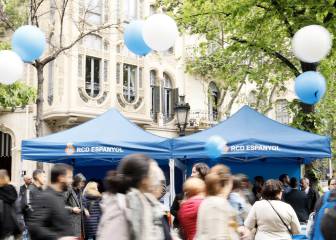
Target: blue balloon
x=310, y=87
x=214, y=147
x=29, y=42
x=134, y=40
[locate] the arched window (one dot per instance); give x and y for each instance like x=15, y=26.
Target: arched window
x=92, y=75
x=155, y=93
x=130, y=75
x=5, y=152
x=130, y=9
x=281, y=111
x=93, y=42
x=213, y=101
x=169, y=97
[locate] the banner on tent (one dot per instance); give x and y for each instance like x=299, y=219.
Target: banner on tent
x=71, y=149
x=257, y=147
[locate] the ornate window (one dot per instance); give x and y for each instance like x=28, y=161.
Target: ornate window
x=169, y=98
x=94, y=10
x=213, y=101
x=92, y=75
x=130, y=77
x=130, y=9
x=93, y=42
x=155, y=94
x=252, y=98
x=281, y=111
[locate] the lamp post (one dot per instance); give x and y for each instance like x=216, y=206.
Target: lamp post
x=182, y=112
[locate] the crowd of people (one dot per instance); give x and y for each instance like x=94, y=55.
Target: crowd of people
x=215, y=204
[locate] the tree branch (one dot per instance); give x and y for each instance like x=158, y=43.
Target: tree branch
x=81, y=36
x=273, y=53
x=330, y=15
x=281, y=12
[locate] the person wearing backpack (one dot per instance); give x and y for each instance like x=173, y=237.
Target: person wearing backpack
x=9, y=225
x=91, y=202
x=327, y=202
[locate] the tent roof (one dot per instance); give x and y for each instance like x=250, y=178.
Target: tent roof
x=100, y=141
x=250, y=135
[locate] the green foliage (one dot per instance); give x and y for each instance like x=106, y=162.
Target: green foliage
x=13, y=14
x=15, y=95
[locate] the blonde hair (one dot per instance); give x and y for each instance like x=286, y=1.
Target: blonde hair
x=91, y=189
x=4, y=178
x=193, y=186
x=218, y=178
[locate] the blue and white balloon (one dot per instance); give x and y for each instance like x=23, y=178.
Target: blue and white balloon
x=310, y=87
x=134, y=40
x=29, y=42
x=215, y=147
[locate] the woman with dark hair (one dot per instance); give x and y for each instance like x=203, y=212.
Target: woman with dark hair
x=216, y=218
x=272, y=218
x=74, y=204
x=130, y=210
x=200, y=170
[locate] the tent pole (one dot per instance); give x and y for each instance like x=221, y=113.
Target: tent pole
x=172, y=180
x=330, y=169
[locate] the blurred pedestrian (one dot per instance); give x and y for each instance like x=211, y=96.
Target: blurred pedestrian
x=27, y=181
x=216, y=218
x=91, y=202
x=50, y=220
x=257, y=187
x=74, y=204
x=298, y=200
x=237, y=200
x=328, y=225
x=130, y=210
x=194, y=191
x=9, y=225
x=272, y=218
x=312, y=194
x=199, y=170
x=284, y=179
x=332, y=184
x=246, y=190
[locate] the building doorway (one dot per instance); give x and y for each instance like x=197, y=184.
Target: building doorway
x=6, y=152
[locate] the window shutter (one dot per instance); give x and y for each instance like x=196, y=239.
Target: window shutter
x=174, y=99
x=156, y=103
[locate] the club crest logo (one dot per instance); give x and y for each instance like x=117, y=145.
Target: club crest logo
x=225, y=146
x=70, y=149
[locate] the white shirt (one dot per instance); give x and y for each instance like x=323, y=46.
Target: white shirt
x=269, y=225
x=307, y=190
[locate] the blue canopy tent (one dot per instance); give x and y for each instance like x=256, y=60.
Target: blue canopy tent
x=100, y=142
x=256, y=145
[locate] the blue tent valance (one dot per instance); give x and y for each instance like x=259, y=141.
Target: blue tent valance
x=251, y=136
x=98, y=142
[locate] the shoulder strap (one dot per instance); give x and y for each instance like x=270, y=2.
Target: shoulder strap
x=288, y=229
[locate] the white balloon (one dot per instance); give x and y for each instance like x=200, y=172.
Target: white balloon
x=312, y=43
x=11, y=67
x=160, y=32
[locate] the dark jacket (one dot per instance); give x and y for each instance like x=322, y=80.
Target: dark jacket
x=8, y=223
x=29, y=199
x=92, y=204
x=299, y=202
x=50, y=220
x=23, y=189
x=175, y=208
x=313, y=196
x=77, y=220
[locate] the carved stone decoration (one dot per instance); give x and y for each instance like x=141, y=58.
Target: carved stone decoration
x=82, y=95
x=120, y=101
x=138, y=103
x=102, y=98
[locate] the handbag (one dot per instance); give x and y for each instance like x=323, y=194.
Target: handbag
x=288, y=229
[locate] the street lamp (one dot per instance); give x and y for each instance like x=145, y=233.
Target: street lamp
x=182, y=113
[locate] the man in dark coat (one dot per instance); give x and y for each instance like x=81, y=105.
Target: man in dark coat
x=312, y=195
x=9, y=225
x=50, y=220
x=27, y=181
x=74, y=204
x=298, y=200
